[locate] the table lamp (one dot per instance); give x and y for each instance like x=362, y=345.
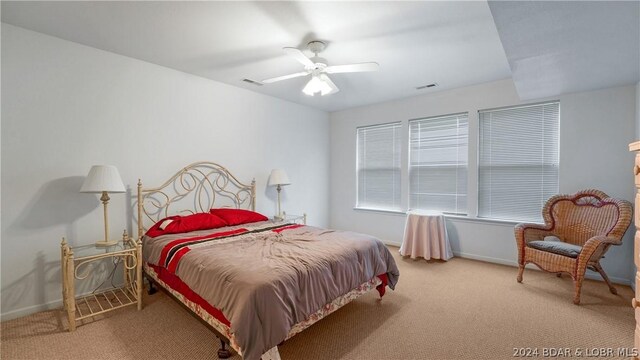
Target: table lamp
x=278, y=178
x=103, y=179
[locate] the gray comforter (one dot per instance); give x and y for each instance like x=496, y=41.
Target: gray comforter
x=264, y=282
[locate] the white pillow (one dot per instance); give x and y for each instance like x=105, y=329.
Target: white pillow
x=165, y=223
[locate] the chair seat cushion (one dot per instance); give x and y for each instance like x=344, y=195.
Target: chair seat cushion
x=556, y=247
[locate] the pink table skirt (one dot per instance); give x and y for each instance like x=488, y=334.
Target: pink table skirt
x=425, y=235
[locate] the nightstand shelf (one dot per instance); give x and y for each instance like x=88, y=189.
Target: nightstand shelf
x=104, y=301
x=127, y=251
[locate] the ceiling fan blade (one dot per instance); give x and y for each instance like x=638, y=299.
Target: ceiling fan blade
x=285, y=77
x=334, y=88
x=299, y=55
x=362, y=67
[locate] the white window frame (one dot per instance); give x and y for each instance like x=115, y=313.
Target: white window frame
x=463, y=211
x=359, y=205
x=479, y=214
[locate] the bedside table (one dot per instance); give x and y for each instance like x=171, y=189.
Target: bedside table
x=128, y=251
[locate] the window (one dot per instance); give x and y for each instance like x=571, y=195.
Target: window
x=378, y=166
x=438, y=151
x=518, y=161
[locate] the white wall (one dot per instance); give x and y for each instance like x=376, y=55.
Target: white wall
x=66, y=107
x=638, y=110
x=595, y=129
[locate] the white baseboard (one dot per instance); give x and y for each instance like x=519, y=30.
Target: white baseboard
x=509, y=262
x=392, y=243
x=589, y=275
x=52, y=305
x=58, y=303
x=14, y=314
x=486, y=258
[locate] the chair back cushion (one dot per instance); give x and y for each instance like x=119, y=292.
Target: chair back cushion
x=588, y=213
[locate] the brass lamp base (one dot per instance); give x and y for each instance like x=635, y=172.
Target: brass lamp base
x=103, y=243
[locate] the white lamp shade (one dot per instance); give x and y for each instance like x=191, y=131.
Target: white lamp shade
x=278, y=177
x=103, y=178
x=316, y=85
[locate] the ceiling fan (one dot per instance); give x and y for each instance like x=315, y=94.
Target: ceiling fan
x=318, y=68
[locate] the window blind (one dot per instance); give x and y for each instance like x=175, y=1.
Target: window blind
x=518, y=161
x=438, y=152
x=378, y=166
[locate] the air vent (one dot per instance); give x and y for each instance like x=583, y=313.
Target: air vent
x=426, y=86
x=257, y=83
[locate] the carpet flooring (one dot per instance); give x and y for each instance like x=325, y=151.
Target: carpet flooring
x=461, y=309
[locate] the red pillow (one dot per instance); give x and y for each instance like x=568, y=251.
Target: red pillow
x=184, y=224
x=238, y=216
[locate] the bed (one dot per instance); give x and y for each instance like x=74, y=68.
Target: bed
x=258, y=283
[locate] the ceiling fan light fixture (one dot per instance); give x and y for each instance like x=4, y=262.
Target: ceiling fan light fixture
x=319, y=69
x=316, y=85
x=326, y=89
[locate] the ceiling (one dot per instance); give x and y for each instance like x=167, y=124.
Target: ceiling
x=547, y=47
x=557, y=47
x=453, y=44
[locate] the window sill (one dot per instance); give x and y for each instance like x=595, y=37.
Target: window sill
x=382, y=211
x=451, y=217
x=487, y=220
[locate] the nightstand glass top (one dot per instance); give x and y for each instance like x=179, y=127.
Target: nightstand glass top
x=83, y=250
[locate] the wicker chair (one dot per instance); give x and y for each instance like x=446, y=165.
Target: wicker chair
x=578, y=229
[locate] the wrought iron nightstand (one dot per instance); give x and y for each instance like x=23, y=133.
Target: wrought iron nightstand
x=128, y=251
x=298, y=219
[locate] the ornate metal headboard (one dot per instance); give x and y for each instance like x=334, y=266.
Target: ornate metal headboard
x=196, y=188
